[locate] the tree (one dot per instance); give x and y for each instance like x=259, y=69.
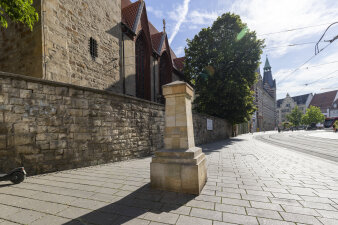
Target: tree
x=313, y=115
x=295, y=117
x=221, y=61
x=18, y=11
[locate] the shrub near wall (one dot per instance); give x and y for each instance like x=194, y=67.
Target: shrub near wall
x=48, y=126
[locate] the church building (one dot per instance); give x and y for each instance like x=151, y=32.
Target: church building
x=101, y=44
x=264, y=118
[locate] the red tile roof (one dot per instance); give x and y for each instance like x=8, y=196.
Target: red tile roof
x=125, y=3
x=156, y=41
x=129, y=14
x=324, y=100
x=179, y=63
x=152, y=29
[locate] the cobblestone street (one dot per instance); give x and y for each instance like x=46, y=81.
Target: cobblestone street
x=249, y=182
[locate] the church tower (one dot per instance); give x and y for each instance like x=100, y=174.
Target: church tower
x=268, y=82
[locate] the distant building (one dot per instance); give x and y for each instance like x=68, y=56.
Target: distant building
x=265, y=100
x=326, y=102
x=287, y=104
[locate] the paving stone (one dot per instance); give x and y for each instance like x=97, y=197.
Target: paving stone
x=137, y=222
x=316, y=205
x=259, y=193
x=50, y=220
x=6, y=222
x=276, y=190
x=239, y=219
x=73, y=212
x=316, y=199
x=264, y=205
x=49, y=197
x=157, y=223
x=162, y=217
x=208, y=192
x=264, y=221
x=328, y=221
x=285, y=201
x=300, y=210
x=25, y=216
x=238, y=202
x=221, y=223
x=6, y=210
x=299, y=218
x=201, y=204
x=185, y=220
x=263, y=213
x=255, y=198
x=183, y=210
x=208, y=198
x=328, y=214
x=206, y=214
x=228, y=195
x=88, y=204
x=230, y=209
x=286, y=196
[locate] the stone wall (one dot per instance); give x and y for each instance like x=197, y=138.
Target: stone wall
x=221, y=129
x=67, y=29
x=21, y=49
x=48, y=126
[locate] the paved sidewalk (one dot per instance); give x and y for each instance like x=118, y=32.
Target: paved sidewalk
x=250, y=182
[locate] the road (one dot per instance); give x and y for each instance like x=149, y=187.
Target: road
x=322, y=144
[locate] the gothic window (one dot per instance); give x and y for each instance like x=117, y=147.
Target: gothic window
x=165, y=72
x=140, y=66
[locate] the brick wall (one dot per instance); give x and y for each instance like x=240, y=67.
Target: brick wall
x=48, y=126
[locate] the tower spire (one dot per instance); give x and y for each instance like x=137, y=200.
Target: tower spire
x=164, y=23
x=267, y=64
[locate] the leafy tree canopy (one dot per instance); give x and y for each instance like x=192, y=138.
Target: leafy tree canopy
x=313, y=115
x=18, y=11
x=221, y=61
x=295, y=117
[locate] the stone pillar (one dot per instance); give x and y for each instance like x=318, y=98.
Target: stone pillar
x=180, y=166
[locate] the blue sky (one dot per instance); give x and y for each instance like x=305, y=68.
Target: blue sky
x=185, y=18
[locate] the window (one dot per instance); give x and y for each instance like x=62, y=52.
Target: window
x=165, y=73
x=93, y=48
x=140, y=66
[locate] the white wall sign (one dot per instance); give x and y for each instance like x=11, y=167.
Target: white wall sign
x=209, y=124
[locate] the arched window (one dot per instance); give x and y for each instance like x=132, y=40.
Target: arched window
x=142, y=68
x=165, y=71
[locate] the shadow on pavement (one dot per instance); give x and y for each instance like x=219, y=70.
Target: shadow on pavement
x=5, y=185
x=145, y=199
x=219, y=146
x=134, y=205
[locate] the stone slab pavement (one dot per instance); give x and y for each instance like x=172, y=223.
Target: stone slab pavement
x=250, y=182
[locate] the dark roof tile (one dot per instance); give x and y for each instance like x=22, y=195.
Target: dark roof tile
x=129, y=14
x=324, y=100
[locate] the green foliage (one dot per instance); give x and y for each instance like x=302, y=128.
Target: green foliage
x=18, y=11
x=336, y=124
x=287, y=125
x=313, y=115
x=221, y=61
x=295, y=117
